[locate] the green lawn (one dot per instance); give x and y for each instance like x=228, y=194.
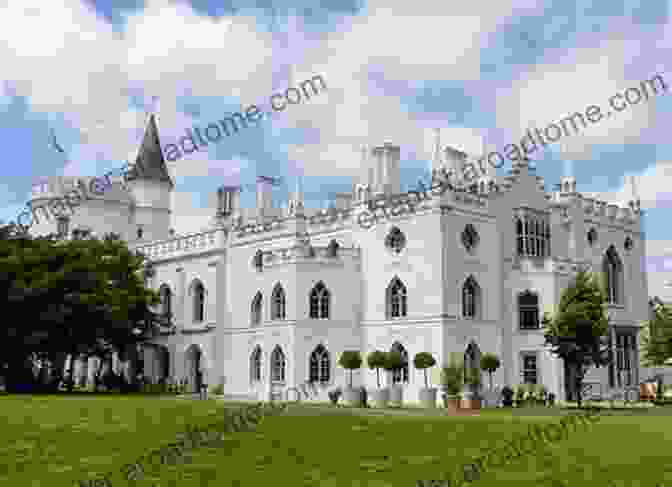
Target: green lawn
x=54, y=441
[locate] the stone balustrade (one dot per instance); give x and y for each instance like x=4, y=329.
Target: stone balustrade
x=181, y=245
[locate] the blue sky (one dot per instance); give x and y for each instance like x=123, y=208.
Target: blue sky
x=482, y=71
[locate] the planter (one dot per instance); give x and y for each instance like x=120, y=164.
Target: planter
x=352, y=396
x=491, y=399
x=451, y=403
x=428, y=397
x=647, y=391
x=380, y=397
x=396, y=395
x=471, y=400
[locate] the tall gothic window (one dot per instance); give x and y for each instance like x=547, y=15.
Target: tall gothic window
x=470, y=298
x=256, y=309
x=255, y=364
x=533, y=237
x=166, y=297
x=528, y=311
x=278, y=365
x=396, y=299
x=613, y=271
x=320, y=365
x=278, y=303
x=319, y=302
x=400, y=375
x=199, y=301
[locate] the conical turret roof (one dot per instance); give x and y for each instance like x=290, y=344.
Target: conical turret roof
x=150, y=164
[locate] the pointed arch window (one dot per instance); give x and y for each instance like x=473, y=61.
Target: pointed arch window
x=613, y=271
x=198, y=301
x=255, y=364
x=320, y=365
x=278, y=365
x=396, y=299
x=278, y=303
x=256, y=309
x=519, y=233
x=166, y=298
x=401, y=375
x=528, y=311
x=471, y=295
x=319, y=302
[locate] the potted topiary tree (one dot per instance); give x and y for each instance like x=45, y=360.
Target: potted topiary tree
x=490, y=363
x=423, y=361
x=395, y=362
x=472, y=398
x=351, y=360
x=452, y=381
x=376, y=360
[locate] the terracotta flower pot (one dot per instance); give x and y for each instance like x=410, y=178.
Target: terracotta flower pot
x=452, y=404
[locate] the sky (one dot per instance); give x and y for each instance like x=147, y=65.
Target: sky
x=482, y=71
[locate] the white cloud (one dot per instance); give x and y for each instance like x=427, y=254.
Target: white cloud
x=404, y=41
x=585, y=76
x=83, y=68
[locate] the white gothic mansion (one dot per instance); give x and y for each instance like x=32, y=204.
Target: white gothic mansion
x=268, y=298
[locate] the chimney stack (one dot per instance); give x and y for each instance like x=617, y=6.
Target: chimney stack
x=228, y=200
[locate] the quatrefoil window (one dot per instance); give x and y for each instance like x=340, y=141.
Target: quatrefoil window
x=470, y=237
x=395, y=240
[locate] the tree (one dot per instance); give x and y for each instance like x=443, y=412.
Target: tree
x=423, y=361
x=577, y=332
x=376, y=360
x=79, y=296
x=490, y=363
x=657, y=336
x=350, y=360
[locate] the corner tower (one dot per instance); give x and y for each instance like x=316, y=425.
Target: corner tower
x=151, y=187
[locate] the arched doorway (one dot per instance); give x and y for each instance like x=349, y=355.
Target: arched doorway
x=194, y=367
x=472, y=360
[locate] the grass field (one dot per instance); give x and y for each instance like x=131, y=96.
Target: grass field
x=55, y=440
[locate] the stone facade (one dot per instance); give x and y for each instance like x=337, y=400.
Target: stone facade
x=435, y=274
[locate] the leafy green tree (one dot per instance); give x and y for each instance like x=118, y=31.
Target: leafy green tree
x=657, y=336
x=78, y=296
x=577, y=331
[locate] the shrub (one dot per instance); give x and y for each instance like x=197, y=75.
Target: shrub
x=473, y=378
x=217, y=390
x=350, y=360
x=334, y=395
x=520, y=393
x=452, y=378
x=376, y=360
x=423, y=361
